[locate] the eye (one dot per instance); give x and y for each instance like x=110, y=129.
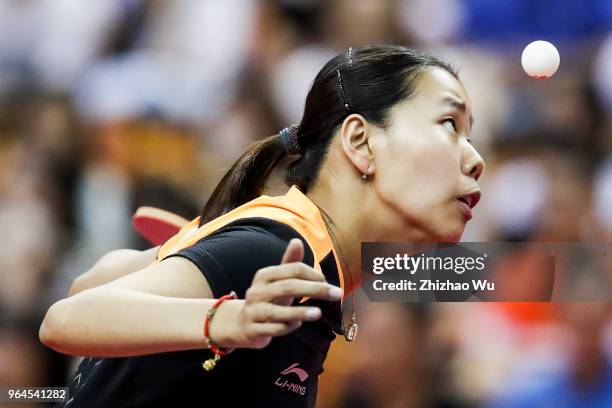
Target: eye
x=452, y=122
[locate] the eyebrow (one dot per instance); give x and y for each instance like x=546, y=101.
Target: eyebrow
x=459, y=105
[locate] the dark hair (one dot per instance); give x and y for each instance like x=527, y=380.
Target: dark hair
x=374, y=80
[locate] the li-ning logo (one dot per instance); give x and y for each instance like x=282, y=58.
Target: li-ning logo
x=293, y=368
x=291, y=386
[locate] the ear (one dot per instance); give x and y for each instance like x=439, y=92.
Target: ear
x=354, y=134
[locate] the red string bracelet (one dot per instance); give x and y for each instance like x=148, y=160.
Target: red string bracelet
x=211, y=362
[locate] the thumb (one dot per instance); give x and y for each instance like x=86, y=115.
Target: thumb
x=294, y=251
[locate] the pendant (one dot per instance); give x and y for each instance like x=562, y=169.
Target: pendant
x=209, y=364
x=351, y=333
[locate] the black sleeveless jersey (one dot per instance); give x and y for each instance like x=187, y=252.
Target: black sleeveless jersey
x=283, y=374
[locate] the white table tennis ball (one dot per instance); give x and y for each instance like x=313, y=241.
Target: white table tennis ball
x=540, y=59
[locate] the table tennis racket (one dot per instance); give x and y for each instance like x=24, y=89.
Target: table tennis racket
x=156, y=225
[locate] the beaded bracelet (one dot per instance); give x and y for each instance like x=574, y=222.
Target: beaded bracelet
x=211, y=362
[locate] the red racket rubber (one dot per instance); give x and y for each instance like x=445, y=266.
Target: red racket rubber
x=156, y=225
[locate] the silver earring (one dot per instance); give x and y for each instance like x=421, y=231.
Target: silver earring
x=364, y=176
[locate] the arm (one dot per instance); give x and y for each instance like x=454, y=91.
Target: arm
x=111, y=266
x=134, y=315
x=162, y=307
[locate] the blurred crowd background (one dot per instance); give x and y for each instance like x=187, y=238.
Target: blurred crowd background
x=113, y=104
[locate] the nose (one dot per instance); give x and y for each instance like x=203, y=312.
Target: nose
x=473, y=164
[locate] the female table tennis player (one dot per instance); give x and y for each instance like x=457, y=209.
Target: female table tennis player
x=381, y=154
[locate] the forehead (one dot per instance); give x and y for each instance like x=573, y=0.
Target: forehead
x=435, y=85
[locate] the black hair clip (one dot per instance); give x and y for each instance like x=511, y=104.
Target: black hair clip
x=347, y=106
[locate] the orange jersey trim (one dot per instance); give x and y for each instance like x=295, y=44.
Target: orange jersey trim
x=294, y=209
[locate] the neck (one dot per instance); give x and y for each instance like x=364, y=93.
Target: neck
x=347, y=230
x=356, y=217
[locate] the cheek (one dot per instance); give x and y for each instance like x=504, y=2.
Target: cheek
x=419, y=174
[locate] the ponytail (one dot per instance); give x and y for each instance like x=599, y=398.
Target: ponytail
x=246, y=179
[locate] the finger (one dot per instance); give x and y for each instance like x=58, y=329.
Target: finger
x=283, y=301
x=294, y=251
x=299, y=288
x=297, y=270
x=275, y=329
x=269, y=312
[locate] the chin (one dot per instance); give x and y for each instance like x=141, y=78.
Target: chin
x=456, y=237
x=443, y=227
x=451, y=233
x=445, y=236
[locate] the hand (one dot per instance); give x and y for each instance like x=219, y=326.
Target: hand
x=266, y=311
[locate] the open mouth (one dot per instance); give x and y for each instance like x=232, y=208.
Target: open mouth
x=471, y=199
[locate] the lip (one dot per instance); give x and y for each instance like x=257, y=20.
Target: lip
x=471, y=199
x=467, y=202
x=465, y=210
